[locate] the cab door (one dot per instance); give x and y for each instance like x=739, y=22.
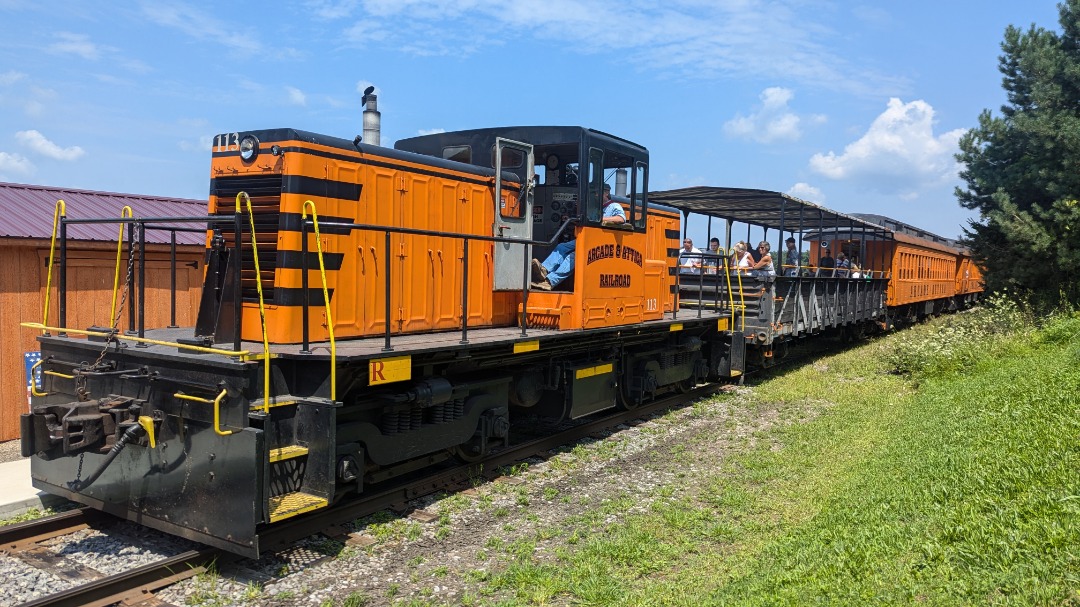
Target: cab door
x=513, y=214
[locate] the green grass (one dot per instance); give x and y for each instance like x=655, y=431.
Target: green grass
x=36, y=513
x=29, y=515
x=947, y=478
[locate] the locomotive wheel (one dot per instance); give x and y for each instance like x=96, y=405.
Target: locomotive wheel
x=625, y=402
x=685, y=385
x=470, y=452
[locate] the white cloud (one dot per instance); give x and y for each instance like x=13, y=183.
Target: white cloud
x=430, y=131
x=204, y=144
x=362, y=85
x=873, y=15
x=136, y=65
x=807, y=192
x=10, y=77
x=337, y=102
x=250, y=85
x=14, y=163
x=786, y=39
x=329, y=9
x=899, y=153
x=674, y=181
x=113, y=80
x=772, y=121
x=75, y=44
x=296, y=96
x=40, y=145
x=201, y=26
x=33, y=107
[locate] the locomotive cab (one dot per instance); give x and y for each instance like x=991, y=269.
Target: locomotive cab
x=619, y=273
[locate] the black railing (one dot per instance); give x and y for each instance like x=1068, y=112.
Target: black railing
x=308, y=224
x=137, y=299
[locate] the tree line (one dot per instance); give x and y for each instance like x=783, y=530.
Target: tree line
x=1022, y=168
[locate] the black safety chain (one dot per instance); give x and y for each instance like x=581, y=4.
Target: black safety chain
x=81, y=392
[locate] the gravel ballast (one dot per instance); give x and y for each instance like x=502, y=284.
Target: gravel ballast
x=470, y=535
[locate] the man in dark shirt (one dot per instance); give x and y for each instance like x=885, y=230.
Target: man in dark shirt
x=755, y=253
x=826, y=264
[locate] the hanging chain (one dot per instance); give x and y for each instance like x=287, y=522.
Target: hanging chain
x=80, y=380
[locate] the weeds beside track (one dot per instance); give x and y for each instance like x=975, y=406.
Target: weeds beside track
x=953, y=481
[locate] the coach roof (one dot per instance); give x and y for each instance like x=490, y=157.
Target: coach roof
x=773, y=210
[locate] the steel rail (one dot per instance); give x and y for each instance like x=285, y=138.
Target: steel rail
x=136, y=583
x=16, y=537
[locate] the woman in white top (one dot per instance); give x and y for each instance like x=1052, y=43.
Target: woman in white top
x=743, y=260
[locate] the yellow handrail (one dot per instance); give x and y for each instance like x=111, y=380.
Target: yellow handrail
x=326, y=297
x=141, y=340
x=262, y=307
x=59, y=211
x=742, y=298
x=33, y=380
x=125, y=212
x=731, y=294
x=217, y=408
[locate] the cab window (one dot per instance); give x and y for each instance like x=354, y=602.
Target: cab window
x=510, y=206
x=594, y=200
x=629, y=182
x=511, y=158
x=458, y=153
x=639, y=186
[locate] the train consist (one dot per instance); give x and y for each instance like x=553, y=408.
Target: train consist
x=368, y=312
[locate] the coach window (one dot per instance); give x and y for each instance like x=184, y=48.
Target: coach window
x=458, y=153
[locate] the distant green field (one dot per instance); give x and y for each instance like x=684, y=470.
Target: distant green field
x=939, y=465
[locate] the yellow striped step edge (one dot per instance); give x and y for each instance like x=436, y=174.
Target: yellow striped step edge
x=291, y=504
x=275, y=401
x=287, y=452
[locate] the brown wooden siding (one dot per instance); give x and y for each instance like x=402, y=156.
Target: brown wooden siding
x=90, y=277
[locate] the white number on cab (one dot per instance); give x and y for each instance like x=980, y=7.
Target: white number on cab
x=227, y=142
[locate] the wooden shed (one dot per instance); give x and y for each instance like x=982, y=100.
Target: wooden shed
x=26, y=225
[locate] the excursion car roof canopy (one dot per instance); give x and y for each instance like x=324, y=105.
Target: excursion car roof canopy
x=773, y=210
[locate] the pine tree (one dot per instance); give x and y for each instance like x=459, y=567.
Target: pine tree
x=1022, y=168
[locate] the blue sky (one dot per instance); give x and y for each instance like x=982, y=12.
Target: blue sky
x=853, y=105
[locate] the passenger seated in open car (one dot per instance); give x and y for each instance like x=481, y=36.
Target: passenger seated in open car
x=559, y=264
x=842, y=264
x=689, y=258
x=764, y=266
x=712, y=257
x=740, y=258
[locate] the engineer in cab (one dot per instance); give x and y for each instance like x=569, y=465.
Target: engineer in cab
x=559, y=264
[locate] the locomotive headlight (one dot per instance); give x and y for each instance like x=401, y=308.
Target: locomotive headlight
x=249, y=148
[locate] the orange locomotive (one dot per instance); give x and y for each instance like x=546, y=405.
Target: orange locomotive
x=285, y=171
x=367, y=312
